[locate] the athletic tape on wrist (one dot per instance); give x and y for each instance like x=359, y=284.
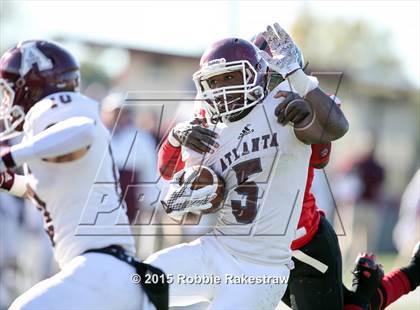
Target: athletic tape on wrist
x=302, y=83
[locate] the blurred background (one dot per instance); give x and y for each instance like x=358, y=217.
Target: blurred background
x=366, y=52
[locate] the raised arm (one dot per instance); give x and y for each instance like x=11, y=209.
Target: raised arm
x=317, y=119
x=322, y=119
x=62, y=138
x=326, y=121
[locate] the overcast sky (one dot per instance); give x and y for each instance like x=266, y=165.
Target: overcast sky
x=189, y=26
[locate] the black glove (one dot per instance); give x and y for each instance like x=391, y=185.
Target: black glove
x=293, y=109
x=195, y=136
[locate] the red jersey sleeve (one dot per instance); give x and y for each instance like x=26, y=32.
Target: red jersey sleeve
x=169, y=160
x=320, y=153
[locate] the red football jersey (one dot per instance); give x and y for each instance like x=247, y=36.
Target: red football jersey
x=311, y=214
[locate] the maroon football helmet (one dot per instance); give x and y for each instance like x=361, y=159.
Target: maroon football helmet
x=30, y=71
x=227, y=102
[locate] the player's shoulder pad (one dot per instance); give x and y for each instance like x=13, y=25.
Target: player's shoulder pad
x=38, y=109
x=58, y=107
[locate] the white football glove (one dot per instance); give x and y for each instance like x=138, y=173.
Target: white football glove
x=181, y=199
x=285, y=53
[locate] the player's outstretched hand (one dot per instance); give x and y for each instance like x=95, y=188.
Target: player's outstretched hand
x=195, y=136
x=292, y=109
x=285, y=59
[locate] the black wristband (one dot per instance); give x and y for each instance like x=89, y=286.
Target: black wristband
x=413, y=274
x=7, y=158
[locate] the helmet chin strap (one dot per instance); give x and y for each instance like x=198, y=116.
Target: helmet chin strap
x=238, y=116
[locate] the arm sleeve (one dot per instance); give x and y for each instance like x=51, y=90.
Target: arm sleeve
x=169, y=160
x=320, y=153
x=61, y=138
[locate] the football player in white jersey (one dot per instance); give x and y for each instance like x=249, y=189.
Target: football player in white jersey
x=65, y=152
x=262, y=154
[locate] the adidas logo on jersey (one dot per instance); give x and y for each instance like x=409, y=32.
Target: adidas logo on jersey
x=247, y=130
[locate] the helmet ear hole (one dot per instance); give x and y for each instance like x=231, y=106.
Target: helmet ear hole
x=20, y=82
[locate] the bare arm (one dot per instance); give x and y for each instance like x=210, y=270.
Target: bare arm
x=317, y=118
x=322, y=120
x=330, y=123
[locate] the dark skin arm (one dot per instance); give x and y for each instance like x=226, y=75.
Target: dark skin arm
x=329, y=124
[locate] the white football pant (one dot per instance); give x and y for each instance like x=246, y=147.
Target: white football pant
x=205, y=258
x=88, y=281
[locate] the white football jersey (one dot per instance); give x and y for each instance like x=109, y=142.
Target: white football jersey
x=80, y=199
x=265, y=168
